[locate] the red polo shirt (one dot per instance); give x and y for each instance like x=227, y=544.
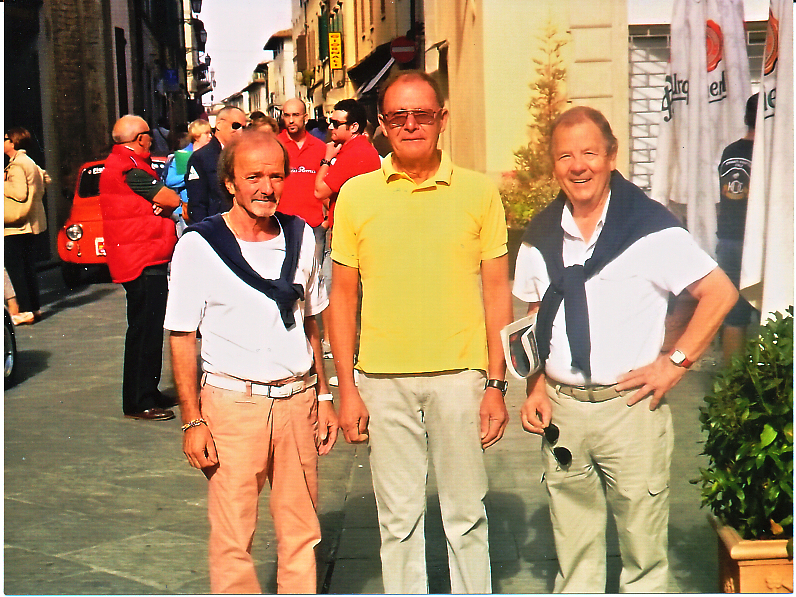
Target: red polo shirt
x=355, y=157
x=298, y=195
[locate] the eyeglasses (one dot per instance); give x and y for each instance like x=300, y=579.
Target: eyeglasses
x=336, y=123
x=144, y=133
x=399, y=117
x=562, y=455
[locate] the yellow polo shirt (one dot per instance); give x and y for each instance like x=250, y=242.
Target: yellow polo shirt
x=419, y=249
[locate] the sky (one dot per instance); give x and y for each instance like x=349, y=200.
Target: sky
x=237, y=30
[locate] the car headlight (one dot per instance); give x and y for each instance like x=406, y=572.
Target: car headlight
x=74, y=232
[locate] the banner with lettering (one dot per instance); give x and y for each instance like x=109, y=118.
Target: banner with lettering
x=767, y=266
x=702, y=110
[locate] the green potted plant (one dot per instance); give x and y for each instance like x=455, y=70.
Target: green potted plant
x=748, y=485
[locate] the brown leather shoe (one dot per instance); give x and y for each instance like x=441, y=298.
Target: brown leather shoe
x=153, y=414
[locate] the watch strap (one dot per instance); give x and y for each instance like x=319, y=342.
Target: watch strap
x=678, y=358
x=499, y=384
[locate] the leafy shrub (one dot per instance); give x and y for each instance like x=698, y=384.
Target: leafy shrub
x=749, y=422
x=531, y=186
x=523, y=200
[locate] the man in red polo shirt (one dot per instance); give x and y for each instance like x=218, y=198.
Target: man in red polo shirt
x=305, y=153
x=348, y=154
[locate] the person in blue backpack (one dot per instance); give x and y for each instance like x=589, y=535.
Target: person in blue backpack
x=248, y=280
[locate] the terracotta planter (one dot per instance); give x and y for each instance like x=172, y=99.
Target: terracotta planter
x=761, y=566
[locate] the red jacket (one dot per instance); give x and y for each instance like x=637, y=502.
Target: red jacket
x=134, y=237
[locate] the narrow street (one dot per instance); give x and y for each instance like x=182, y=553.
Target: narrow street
x=99, y=504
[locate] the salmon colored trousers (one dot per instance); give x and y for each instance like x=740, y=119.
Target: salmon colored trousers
x=258, y=439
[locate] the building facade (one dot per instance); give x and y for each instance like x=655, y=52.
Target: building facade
x=77, y=66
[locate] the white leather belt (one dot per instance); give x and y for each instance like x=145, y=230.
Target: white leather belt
x=276, y=389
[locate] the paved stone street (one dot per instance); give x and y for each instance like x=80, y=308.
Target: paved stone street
x=99, y=504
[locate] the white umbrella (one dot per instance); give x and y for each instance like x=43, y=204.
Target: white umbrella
x=767, y=267
x=707, y=86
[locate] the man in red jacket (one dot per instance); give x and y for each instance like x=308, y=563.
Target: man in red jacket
x=139, y=241
x=305, y=152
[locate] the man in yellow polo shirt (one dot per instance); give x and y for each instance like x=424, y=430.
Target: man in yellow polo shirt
x=428, y=241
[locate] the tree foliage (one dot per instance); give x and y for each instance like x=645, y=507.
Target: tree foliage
x=531, y=186
x=749, y=422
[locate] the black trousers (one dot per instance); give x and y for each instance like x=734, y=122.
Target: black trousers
x=143, y=344
x=20, y=263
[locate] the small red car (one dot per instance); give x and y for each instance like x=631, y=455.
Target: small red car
x=80, y=241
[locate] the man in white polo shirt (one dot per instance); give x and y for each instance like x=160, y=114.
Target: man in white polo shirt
x=599, y=264
x=248, y=280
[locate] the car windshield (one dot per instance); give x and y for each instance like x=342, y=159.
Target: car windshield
x=89, y=181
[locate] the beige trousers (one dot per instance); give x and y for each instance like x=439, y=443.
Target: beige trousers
x=412, y=419
x=259, y=439
x=620, y=457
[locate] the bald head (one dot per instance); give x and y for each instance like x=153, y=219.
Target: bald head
x=127, y=127
x=229, y=123
x=294, y=115
x=129, y=130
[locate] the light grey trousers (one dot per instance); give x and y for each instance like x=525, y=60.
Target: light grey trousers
x=413, y=418
x=621, y=456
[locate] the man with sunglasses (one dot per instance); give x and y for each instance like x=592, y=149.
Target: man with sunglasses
x=427, y=239
x=598, y=266
x=348, y=154
x=206, y=195
x=139, y=240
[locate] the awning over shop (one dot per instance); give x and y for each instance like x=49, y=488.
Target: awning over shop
x=371, y=69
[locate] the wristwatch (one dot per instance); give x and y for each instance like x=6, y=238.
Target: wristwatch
x=500, y=384
x=325, y=162
x=678, y=358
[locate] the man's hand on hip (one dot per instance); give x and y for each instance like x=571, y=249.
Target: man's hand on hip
x=494, y=417
x=657, y=378
x=199, y=447
x=354, y=415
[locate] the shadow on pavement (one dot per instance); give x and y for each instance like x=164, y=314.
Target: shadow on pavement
x=30, y=363
x=68, y=300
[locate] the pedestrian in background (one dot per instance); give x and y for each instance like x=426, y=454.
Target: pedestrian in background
x=139, y=240
x=306, y=153
x=199, y=134
x=262, y=121
x=248, y=280
x=206, y=195
x=348, y=154
x=597, y=267
x=427, y=239
x=735, y=170
x=23, y=218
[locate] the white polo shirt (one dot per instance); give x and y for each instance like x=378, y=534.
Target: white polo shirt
x=242, y=330
x=627, y=300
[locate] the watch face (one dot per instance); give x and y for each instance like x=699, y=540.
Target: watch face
x=677, y=357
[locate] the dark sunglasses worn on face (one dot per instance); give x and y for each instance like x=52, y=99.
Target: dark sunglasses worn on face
x=134, y=139
x=399, y=117
x=236, y=125
x=336, y=123
x=562, y=455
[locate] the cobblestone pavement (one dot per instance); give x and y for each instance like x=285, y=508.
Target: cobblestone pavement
x=99, y=504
